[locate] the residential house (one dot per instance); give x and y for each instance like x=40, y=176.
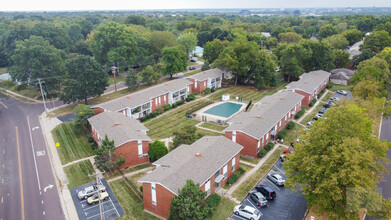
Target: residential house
x=143, y=102
x=254, y=129
x=129, y=135
x=207, y=79
x=209, y=161
x=309, y=85
x=341, y=76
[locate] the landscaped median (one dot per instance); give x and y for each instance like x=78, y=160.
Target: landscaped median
x=252, y=180
x=73, y=145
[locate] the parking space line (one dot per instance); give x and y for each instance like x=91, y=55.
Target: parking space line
x=114, y=207
x=279, y=169
x=272, y=183
x=102, y=213
x=93, y=206
x=239, y=216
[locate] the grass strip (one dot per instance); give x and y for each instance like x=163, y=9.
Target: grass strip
x=213, y=126
x=224, y=209
x=78, y=173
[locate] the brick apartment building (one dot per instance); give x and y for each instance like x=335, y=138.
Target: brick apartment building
x=254, y=129
x=209, y=161
x=309, y=85
x=129, y=135
x=207, y=79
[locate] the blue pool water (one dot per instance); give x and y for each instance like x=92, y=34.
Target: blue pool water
x=224, y=110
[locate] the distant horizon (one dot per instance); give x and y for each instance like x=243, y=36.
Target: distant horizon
x=153, y=5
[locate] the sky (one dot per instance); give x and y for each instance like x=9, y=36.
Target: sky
x=65, y=5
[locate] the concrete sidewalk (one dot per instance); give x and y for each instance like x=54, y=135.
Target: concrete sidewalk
x=131, y=174
x=47, y=125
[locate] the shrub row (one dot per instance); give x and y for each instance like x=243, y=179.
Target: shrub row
x=236, y=176
x=299, y=114
x=291, y=125
x=267, y=148
x=282, y=133
x=330, y=85
x=312, y=103
x=213, y=201
x=190, y=98
x=321, y=92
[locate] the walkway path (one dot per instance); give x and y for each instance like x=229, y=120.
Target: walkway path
x=208, y=129
x=147, y=169
x=77, y=161
x=247, y=163
x=313, y=107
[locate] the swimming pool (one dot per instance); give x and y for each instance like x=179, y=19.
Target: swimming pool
x=225, y=109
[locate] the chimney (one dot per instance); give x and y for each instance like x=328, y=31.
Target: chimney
x=198, y=155
x=116, y=123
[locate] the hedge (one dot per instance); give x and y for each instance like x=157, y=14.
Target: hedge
x=207, y=91
x=262, y=153
x=282, y=133
x=241, y=170
x=269, y=146
x=299, y=114
x=190, y=97
x=167, y=107
x=312, y=103
x=159, y=111
x=178, y=103
x=330, y=85
x=291, y=125
x=213, y=201
x=233, y=178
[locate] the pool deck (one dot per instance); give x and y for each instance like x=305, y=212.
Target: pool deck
x=205, y=117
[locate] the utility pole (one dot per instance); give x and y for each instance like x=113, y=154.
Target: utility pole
x=97, y=183
x=115, y=70
x=43, y=97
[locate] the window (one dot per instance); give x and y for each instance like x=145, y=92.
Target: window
x=267, y=136
x=233, y=163
x=225, y=172
x=217, y=173
x=195, y=83
x=234, y=136
x=280, y=124
x=160, y=101
x=153, y=190
x=155, y=101
x=207, y=188
x=140, y=149
x=164, y=98
x=259, y=145
x=204, y=84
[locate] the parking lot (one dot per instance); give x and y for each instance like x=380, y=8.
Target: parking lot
x=286, y=205
x=111, y=208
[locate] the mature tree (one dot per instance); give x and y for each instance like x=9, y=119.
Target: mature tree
x=369, y=89
x=292, y=60
x=81, y=47
x=148, y=75
x=290, y=37
x=327, y=31
x=365, y=54
x=74, y=32
x=367, y=23
x=277, y=30
x=385, y=54
x=338, y=41
x=238, y=58
x=212, y=49
x=217, y=33
x=353, y=36
x=106, y=158
x=322, y=56
x=190, y=203
x=264, y=74
x=85, y=78
x=374, y=68
x=185, y=135
x=384, y=27
x=132, y=79
x=112, y=43
x=189, y=41
x=157, y=150
x=136, y=19
x=86, y=26
x=82, y=112
x=35, y=58
x=271, y=42
x=377, y=41
x=159, y=40
x=175, y=60
x=336, y=159
x=57, y=36
x=341, y=59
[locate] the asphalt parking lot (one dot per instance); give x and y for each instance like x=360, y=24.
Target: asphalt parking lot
x=111, y=208
x=286, y=205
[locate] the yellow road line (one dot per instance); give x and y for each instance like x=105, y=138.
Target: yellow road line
x=4, y=105
x=20, y=174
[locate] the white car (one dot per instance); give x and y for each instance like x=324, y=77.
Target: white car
x=276, y=179
x=342, y=92
x=91, y=190
x=247, y=212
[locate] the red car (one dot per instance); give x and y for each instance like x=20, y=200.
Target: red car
x=288, y=152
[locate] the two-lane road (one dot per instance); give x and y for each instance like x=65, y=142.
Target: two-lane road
x=27, y=187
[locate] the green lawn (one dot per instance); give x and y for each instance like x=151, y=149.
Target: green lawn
x=292, y=134
x=224, y=209
x=164, y=126
x=250, y=160
x=73, y=145
x=27, y=91
x=132, y=205
x=246, y=92
x=117, y=78
x=213, y=126
x=3, y=70
x=311, y=115
x=246, y=167
x=191, y=63
x=193, y=72
x=126, y=170
x=251, y=181
x=327, y=96
x=78, y=173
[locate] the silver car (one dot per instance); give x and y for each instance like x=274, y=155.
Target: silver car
x=247, y=212
x=276, y=179
x=89, y=191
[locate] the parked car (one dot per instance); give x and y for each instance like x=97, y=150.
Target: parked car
x=91, y=190
x=247, y=212
x=327, y=105
x=95, y=198
x=266, y=191
x=276, y=179
x=258, y=198
x=282, y=157
x=192, y=68
x=193, y=59
x=288, y=152
x=323, y=110
x=342, y=92
x=335, y=98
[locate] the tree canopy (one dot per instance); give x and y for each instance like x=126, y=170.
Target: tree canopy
x=106, y=158
x=174, y=59
x=157, y=150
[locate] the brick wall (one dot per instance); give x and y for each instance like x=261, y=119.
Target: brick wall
x=129, y=151
x=305, y=101
x=163, y=200
x=98, y=110
x=162, y=103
